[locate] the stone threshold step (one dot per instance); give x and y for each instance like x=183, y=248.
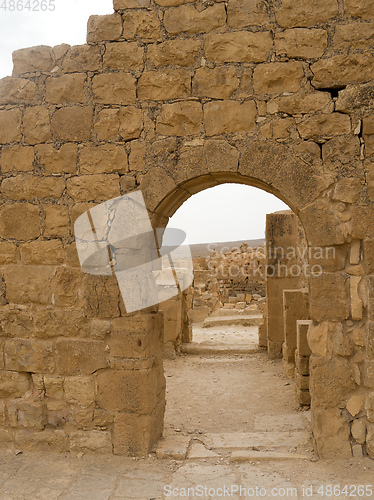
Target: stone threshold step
x=264, y=456
x=251, y=440
x=220, y=349
x=244, y=320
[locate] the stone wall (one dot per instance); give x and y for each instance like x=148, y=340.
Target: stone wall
x=172, y=97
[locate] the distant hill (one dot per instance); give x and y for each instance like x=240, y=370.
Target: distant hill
x=205, y=249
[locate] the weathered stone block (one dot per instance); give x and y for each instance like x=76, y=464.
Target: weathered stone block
x=273, y=78
x=32, y=59
x=41, y=440
x=93, y=187
x=370, y=440
x=114, y=88
x=241, y=13
x=329, y=297
x=362, y=222
x=225, y=117
x=301, y=102
x=20, y=221
x=103, y=159
x=19, y=158
x=331, y=432
x=141, y=24
x=130, y=122
x=220, y=155
x=80, y=390
x=107, y=125
x=82, y=58
x=164, y=85
x=56, y=222
x=324, y=126
x=342, y=70
x=24, y=355
x=66, y=88
x=8, y=253
x=54, y=386
x=188, y=19
x=357, y=35
x=102, y=296
x=301, y=43
x=57, y=322
x=305, y=12
x=10, y=125
x=101, y=28
x=27, y=187
x=218, y=83
x=174, y=52
x=136, y=158
x=17, y=91
x=368, y=133
x=180, y=118
x=29, y=284
x=130, y=4
x=53, y=160
x=36, y=125
x=123, y=55
x=302, y=345
x=359, y=8
x=238, y=47
x=132, y=434
x=80, y=357
x=130, y=391
x=13, y=384
x=48, y=252
x=90, y=441
x=72, y=123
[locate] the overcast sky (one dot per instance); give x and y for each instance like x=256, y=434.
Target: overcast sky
x=228, y=212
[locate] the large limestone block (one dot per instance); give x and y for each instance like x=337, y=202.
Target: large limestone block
x=274, y=78
x=301, y=43
x=241, y=46
x=241, y=13
x=357, y=35
x=180, y=118
x=59, y=161
x=27, y=187
x=17, y=91
x=79, y=357
x=72, y=123
x=114, y=88
x=36, y=125
x=225, y=117
x=359, y=8
x=174, y=52
x=51, y=322
x=10, y=125
x=342, y=70
x=80, y=390
x=220, y=155
x=123, y=55
x=218, y=83
x=18, y=158
x=141, y=24
x=103, y=159
x=130, y=391
x=188, y=19
x=49, y=252
x=45, y=440
x=13, y=384
x=8, y=253
x=98, y=441
x=107, y=125
x=80, y=58
x=97, y=187
x=26, y=284
x=164, y=85
x=301, y=102
x=31, y=59
x=56, y=222
x=331, y=432
x=328, y=340
x=24, y=355
x=355, y=97
x=329, y=298
x=20, y=221
x=331, y=380
x=324, y=126
x=130, y=122
x=363, y=222
x=102, y=28
x=102, y=295
x=305, y=12
x=66, y=88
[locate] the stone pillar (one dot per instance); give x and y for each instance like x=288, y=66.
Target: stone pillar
x=283, y=269
x=132, y=389
x=295, y=307
x=302, y=355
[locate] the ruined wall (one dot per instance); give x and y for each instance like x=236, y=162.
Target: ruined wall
x=171, y=97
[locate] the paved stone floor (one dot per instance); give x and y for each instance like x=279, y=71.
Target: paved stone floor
x=35, y=476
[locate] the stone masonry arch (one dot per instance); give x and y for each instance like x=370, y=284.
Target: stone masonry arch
x=169, y=97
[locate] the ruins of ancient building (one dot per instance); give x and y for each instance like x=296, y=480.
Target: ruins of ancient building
x=171, y=97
